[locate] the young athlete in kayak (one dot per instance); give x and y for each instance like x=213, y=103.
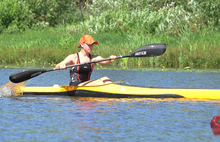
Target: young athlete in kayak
x=80, y=75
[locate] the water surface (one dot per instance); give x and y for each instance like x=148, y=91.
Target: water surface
x=63, y=118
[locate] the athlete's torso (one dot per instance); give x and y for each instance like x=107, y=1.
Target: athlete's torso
x=81, y=73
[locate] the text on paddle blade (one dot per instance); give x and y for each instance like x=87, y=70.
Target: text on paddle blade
x=142, y=53
x=36, y=74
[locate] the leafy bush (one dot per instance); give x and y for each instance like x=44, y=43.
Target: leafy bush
x=14, y=15
x=18, y=15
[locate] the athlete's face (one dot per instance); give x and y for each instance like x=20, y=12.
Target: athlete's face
x=88, y=47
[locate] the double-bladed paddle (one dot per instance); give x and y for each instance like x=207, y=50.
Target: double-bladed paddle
x=144, y=51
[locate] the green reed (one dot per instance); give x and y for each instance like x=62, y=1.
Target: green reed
x=198, y=50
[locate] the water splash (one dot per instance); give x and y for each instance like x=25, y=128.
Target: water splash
x=12, y=89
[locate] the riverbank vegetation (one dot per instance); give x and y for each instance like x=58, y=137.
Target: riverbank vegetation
x=45, y=32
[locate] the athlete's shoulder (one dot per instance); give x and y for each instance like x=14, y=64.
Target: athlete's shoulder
x=71, y=59
x=72, y=55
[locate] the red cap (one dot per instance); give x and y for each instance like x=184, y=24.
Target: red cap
x=87, y=39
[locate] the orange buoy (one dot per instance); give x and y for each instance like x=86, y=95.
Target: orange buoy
x=215, y=125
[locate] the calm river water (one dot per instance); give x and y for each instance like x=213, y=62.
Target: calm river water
x=50, y=118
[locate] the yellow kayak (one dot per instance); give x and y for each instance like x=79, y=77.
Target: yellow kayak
x=123, y=91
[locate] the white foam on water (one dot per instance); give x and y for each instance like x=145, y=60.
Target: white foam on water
x=5, y=92
x=11, y=89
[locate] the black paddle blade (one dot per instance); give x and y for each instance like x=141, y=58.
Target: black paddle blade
x=149, y=50
x=25, y=75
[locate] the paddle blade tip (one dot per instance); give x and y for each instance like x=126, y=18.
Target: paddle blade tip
x=13, y=78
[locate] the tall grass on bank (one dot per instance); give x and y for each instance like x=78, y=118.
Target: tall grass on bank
x=199, y=50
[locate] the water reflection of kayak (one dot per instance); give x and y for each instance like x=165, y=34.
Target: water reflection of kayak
x=123, y=91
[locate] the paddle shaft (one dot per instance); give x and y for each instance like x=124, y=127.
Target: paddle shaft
x=28, y=74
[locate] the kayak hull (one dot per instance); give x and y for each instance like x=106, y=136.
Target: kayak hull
x=85, y=93
x=123, y=91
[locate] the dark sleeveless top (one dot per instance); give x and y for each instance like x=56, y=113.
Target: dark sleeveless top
x=81, y=73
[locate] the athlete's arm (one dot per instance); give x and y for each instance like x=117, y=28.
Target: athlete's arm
x=96, y=58
x=69, y=60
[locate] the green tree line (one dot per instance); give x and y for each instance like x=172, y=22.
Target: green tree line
x=118, y=16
